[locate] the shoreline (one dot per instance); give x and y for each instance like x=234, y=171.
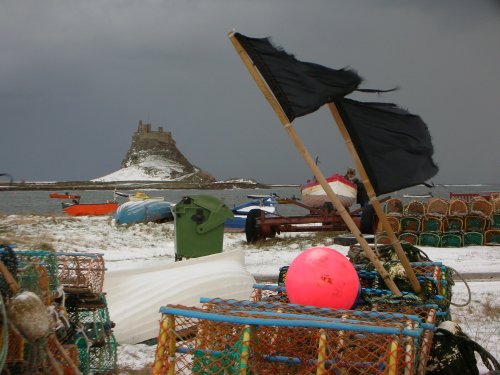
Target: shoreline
x=131, y=185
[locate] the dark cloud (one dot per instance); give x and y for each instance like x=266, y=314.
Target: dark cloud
x=76, y=77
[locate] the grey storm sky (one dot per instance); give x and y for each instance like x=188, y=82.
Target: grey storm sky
x=77, y=76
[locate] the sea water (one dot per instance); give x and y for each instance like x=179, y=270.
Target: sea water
x=38, y=202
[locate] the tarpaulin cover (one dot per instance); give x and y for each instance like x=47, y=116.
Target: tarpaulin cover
x=300, y=87
x=394, y=145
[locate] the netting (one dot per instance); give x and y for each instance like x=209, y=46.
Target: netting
x=475, y=223
x=458, y=207
x=394, y=207
x=410, y=224
x=34, y=277
x=409, y=237
x=47, y=259
x=495, y=221
x=496, y=205
x=453, y=224
x=415, y=208
x=81, y=270
x=394, y=223
x=437, y=207
x=432, y=224
x=451, y=240
x=95, y=359
x=480, y=206
x=92, y=334
x=79, y=315
x=492, y=237
x=473, y=239
x=432, y=276
x=260, y=337
x=429, y=239
x=434, y=220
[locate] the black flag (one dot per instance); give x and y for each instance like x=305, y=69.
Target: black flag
x=394, y=145
x=300, y=87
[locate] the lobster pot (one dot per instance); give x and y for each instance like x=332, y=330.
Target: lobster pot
x=102, y=357
x=241, y=336
x=93, y=337
x=48, y=259
x=35, y=278
x=94, y=321
x=434, y=278
x=95, y=359
x=81, y=270
x=71, y=352
x=375, y=300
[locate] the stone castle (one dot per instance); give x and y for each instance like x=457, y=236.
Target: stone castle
x=147, y=143
x=144, y=131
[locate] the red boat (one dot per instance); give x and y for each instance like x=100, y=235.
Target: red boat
x=64, y=196
x=81, y=209
x=314, y=195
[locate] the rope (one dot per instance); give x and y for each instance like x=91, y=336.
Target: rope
x=81, y=329
x=454, y=271
x=489, y=361
x=5, y=334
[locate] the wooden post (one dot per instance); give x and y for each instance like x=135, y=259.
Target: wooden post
x=375, y=202
x=312, y=165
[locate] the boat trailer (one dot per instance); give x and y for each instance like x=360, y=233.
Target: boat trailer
x=261, y=225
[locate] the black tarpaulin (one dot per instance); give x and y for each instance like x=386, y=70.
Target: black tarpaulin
x=300, y=87
x=394, y=145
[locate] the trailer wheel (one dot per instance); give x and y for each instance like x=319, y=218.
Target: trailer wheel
x=369, y=220
x=251, y=230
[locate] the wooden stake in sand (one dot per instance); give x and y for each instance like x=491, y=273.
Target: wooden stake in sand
x=312, y=165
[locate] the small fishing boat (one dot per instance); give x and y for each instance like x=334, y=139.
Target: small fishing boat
x=139, y=196
x=142, y=196
x=134, y=296
x=64, y=196
x=143, y=212
x=314, y=195
x=265, y=203
x=82, y=209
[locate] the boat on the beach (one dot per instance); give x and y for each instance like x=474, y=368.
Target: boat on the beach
x=265, y=203
x=135, y=295
x=82, y=209
x=139, y=196
x=314, y=195
x=143, y=212
x=64, y=196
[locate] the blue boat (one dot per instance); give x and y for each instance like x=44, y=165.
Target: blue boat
x=143, y=212
x=266, y=203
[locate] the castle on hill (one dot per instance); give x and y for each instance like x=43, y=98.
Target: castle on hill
x=153, y=155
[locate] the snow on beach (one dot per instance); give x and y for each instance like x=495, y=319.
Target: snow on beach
x=143, y=244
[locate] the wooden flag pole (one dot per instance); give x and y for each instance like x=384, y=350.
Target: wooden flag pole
x=312, y=165
x=375, y=202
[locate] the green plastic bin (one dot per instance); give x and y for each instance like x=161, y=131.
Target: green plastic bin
x=199, y=226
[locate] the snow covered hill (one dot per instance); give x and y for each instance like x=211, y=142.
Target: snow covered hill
x=154, y=156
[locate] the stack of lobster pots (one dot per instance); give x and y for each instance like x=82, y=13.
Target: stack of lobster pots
x=438, y=222
x=61, y=295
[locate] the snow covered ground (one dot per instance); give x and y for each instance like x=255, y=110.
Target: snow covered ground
x=142, y=244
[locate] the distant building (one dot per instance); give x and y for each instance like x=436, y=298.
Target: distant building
x=144, y=132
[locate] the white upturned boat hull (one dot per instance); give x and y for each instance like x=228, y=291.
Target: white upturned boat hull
x=134, y=296
x=315, y=196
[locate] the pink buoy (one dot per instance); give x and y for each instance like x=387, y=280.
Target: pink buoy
x=322, y=277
